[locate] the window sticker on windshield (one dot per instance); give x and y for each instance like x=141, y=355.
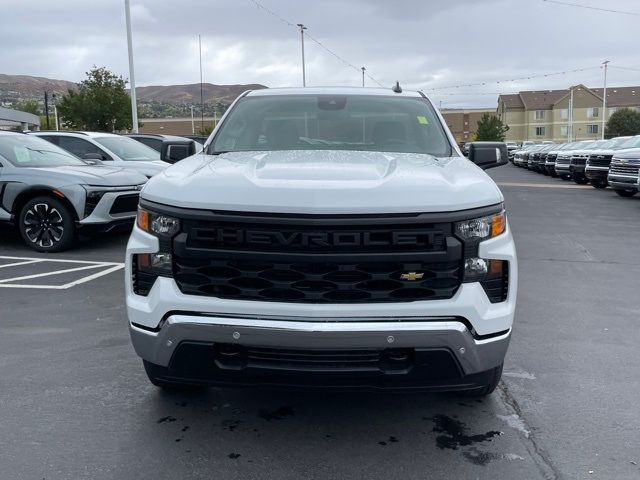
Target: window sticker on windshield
x=22, y=154
x=423, y=120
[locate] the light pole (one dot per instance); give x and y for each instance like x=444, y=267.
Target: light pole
x=302, y=29
x=604, y=98
x=363, y=69
x=570, y=129
x=201, y=92
x=193, y=125
x=132, y=77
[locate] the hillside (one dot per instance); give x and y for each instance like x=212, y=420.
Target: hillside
x=14, y=88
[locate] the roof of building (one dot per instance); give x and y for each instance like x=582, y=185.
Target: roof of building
x=546, y=99
x=11, y=115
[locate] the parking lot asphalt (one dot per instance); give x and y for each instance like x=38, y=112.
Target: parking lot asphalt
x=75, y=402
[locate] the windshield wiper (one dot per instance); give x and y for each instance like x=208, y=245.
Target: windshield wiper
x=220, y=152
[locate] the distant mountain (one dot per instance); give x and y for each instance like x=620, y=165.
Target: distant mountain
x=21, y=87
x=181, y=94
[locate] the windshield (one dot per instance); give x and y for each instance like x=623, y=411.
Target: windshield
x=332, y=122
x=632, y=142
x=29, y=151
x=128, y=149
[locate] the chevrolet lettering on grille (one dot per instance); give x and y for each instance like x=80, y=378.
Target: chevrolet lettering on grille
x=231, y=236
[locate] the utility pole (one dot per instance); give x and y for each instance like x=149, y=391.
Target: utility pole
x=193, y=125
x=46, y=108
x=363, y=69
x=570, y=129
x=201, y=92
x=55, y=111
x=302, y=29
x=132, y=77
x=604, y=98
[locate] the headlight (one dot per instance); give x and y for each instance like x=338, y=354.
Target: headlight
x=157, y=224
x=481, y=228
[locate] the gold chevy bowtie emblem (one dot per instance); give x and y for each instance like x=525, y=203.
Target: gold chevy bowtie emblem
x=411, y=276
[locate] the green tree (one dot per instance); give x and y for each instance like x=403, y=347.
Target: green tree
x=623, y=122
x=101, y=103
x=29, y=106
x=490, y=129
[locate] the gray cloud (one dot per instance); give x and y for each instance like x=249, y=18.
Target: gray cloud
x=422, y=43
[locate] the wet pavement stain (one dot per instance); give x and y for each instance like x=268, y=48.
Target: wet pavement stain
x=391, y=439
x=231, y=425
x=279, y=414
x=454, y=433
x=185, y=428
x=168, y=418
x=233, y=456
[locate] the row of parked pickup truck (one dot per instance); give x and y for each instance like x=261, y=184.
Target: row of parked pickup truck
x=602, y=163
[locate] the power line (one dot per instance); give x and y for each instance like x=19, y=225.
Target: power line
x=588, y=7
x=528, y=77
x=625, y=68
x=314, y=40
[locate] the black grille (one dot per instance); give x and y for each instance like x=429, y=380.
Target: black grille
x=600, y=160
x=317, y=282
x=578, y=161
x=563, y=160
x=307, y=259
x=497, y=289
x=551, y=158
x=90, y=204
x=125, y=204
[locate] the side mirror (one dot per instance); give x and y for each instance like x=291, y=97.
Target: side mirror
x=173, y=151
x=488, y=154
x=92, y=158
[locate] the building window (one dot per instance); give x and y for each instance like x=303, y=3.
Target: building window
x=540, y=131
x=592, y=129
x=564, y=114
x=564, y=130
x=539, y=115
x=593, y=112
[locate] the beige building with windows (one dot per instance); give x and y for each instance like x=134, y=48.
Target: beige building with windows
x=544, y=115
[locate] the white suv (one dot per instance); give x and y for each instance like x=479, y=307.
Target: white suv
x=327, y=237
x=109, y=148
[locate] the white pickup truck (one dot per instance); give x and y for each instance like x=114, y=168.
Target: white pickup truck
x=326, y=237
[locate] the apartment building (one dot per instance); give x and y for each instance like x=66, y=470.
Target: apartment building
x=544, y=114
x=463, y=123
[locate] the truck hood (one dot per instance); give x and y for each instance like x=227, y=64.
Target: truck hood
x=317, y=182
x=628, y=153
x=146, y=168
x=98, y=175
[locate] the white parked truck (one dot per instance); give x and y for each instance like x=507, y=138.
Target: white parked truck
x=326, y=237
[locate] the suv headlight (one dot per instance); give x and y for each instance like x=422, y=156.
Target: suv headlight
x=478, y=229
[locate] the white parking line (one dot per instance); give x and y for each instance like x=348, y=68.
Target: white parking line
x=108, y=267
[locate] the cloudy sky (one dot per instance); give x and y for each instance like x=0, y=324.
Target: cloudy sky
x=426, y=44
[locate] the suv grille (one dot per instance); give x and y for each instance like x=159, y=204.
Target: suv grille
x=563, y=160
x=579, y=160
x=624, y=169
x=600, y=160
x=125, y=204
x=318, y=260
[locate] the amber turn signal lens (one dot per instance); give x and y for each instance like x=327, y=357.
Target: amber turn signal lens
x=498, y=224
x=495, y=267
x=143, y=219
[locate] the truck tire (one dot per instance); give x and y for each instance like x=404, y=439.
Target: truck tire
x=46, y=225
x=487, y=389
x=626, y=193
x=599, y=184
x=150, y=368
x=580, y=179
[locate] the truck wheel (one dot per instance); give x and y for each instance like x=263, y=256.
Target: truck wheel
x=46, y=225
x=565, y=177
x=599, y=184
x=487, y=389
x=626, y=193
x=580, y=180
x=150, y=370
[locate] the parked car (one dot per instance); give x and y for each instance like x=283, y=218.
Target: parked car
x=563, y=160
x=332, y=256
x=527, y=154
x=623, y=172
x=550, y=159
x=511, y=148
x=198, y=138
x=109, y=148
x=51, y=195
x=537, y=158
x=156, y=140
x=519, y=159
x=579, y=161
x=598, y=162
